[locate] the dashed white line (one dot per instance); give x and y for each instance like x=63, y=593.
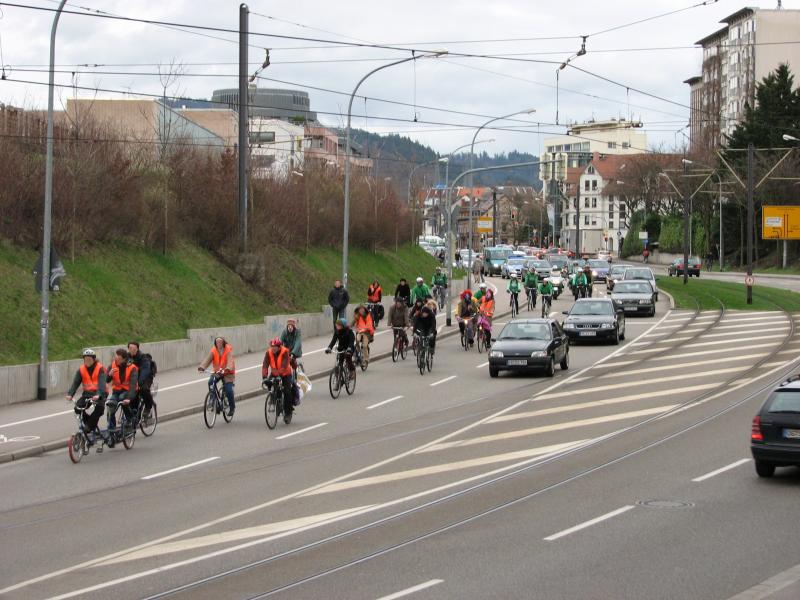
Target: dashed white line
x=445, y=380
x=189, y=466
x=589, y=523
x=283, y=437
x=721, y=470
x=412, y=590
x=384, y=402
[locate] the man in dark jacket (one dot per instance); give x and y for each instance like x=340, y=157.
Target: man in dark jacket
x=425, y=325
x=144, y=364
x=403, y=290
x=338, y=299
x=345, y=340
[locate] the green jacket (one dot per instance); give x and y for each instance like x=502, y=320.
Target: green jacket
x=478, y=295
x=546, y=288
x=513, y=286
x=293, y=341
x=420, y=292
x=439, y=279
x=531, y=280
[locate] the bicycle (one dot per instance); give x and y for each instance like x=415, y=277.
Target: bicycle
x=125, y=432
x=273, y=403
x=531, y=294
x=439, y=294
x=514, y=304
x=147, y=426
x=467, y=333
x=372, y=309
x=399, y=345
x=546, y=303
x=359, y=357
x=78, y=443
x=216, y=402
x=341, y=378
x=424, y=355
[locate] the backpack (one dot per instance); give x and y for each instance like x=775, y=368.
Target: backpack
x=153, y=365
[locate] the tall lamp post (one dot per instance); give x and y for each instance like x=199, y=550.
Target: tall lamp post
x=44, y=317
x=346, y=234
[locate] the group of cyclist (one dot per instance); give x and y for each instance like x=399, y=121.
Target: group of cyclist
x=534, y=287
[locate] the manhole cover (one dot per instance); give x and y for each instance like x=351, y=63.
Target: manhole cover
x=665, y=504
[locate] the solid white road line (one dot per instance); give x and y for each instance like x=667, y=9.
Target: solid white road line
x=480, y=366
x=283, y=437
x=412, y=590
x=722, y=470
x=717, y=351
x=190, y=465
x=445, y=380
x=770, y=587
x=738, y=343
x=58, y=414
x=589, y=523
x=384, y=402
x=739, y=333
x=696, y=363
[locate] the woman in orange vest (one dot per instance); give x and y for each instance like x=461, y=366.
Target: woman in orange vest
x=92, y=376
x=374, y=298
x=221, y=357
x=487, y=311
x=364, y=328
x=277, y=363
x=124, y=378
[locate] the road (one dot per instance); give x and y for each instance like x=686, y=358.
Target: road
x=626, y=476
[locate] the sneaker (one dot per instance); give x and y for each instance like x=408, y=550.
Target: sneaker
x=100, y=449
x=287, y=417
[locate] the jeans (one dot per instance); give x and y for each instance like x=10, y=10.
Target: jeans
x=112, y=403
x=338, y=314
x=227, y=389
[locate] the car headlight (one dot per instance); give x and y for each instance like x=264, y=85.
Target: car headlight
x=569, y=325
x=643, y=301
x=594, y=273
x=495, y=354
x=539, y=354
x=607, y=326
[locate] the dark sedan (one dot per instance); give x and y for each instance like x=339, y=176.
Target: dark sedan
x=526, y=344
x=595, y=319
x=634, y=297
x=775, y=434
x=615, y=275
x=599, y=269
x=676, y=267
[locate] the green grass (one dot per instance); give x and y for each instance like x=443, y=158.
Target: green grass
x=708, y=295
x=117, y=293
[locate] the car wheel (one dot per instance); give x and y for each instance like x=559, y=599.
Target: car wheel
x=551, y=367
x=565, y=362
x=765, y=469
x=493, y=372
x=622, y=335
x=616, y=337
x=653, y=312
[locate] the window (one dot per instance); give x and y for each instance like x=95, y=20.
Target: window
x=262, y=137
x=586, y=185
x=623, y=211
x=626, y=144
x=594, y=184
x=612, y=145
x=610, y=212
x=585, y=203
x=590, y=170
x=574, y=219
x=611, y=224
x=585, y=219
x=594, y=202
x=734, y=59
x=733, y=83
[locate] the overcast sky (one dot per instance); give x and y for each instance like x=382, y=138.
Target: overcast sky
x=642, y=56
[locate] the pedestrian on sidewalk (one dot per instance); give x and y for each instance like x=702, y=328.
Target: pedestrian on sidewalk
x=646, y=255
x=477, y=269
x=338, y=299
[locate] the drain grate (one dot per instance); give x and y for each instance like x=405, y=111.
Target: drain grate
x=664, y=504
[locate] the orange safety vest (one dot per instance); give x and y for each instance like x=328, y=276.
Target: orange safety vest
x=91, y=381
x=122, y=383
x=365, y=324
x=280, y=364
x=374, y=294
x=221, y=362
x=487, y=307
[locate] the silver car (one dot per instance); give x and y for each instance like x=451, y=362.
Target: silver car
x=634, y=297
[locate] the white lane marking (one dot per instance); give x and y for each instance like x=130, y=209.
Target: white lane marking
x=730, y=333
x=412, y=590
x=777, y=317
x=589, y=523
x=445, y=380
x=285, y=497
x=749, y=326
x=58, y=414
x=738, y=343
x=696, y=363
x=718, y=351
x=549, y=428
x=442, y=468
x=480, y=366
x=283, y=437
x=769, y=587
x=189, y=466
x=722, y=470
x=235, y=535
x=618, y=400
x=384, y=402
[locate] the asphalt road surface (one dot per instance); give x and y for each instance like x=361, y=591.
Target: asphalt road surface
x=626, y=476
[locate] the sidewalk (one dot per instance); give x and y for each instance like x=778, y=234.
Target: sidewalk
x=32, y=428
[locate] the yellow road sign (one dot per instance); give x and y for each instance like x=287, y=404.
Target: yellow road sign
x=780, y=223
x=484, y=224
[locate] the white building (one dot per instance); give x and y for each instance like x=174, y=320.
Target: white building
x=276, y=148
x=607, y=137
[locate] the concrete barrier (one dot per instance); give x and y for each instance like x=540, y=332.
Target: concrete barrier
x=19, y=382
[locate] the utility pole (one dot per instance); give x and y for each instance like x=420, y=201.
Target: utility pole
x=750, y=216
x=44, y=317
x=721, y=241
x=494, y=217
x=244, y=141
x=686, y=221
x=578, y=221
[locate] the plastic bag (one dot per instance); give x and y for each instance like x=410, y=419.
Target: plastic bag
x=302, y=387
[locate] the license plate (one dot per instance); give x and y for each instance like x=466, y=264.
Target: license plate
x=791, y=434
x=517, y=363
x=632, y=308
x=588, y=333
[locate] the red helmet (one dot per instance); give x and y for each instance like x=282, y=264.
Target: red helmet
x=276, y=342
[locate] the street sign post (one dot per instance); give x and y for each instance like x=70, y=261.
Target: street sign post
x=642, y=235
x=749, y=280
x=485, y=224
x=780, y=223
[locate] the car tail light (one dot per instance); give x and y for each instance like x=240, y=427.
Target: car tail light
x=755, y=432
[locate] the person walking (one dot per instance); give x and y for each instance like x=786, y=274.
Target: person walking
x=338, y=299
x=477, y=269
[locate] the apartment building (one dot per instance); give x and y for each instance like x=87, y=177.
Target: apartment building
x=752, y=43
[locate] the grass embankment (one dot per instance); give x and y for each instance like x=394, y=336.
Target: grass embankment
x=708, y=294
x=119, y=293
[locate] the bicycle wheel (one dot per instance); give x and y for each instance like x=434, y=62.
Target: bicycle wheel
x=396, y=348
x=403, y=349
x=271, y=410
x=210, y=409
x=154, y=389
x=76, y=445
x=429, y=360
x=364, y=363
x=480, y=341
x=464, y=343
x=349, y=382
x=334, y=383
x=148, y=426
x=127, y=433
x=421, y=361
x=226, y=409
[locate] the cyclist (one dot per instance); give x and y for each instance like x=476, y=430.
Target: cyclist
x=365, y=329
x=374, y=297
x=425, y=325
x=345, y=341
x=579, y=281
x=487, y=312
x=587, y=271
x=144, y=363
x=278, y=363
x=439, y=283
x=90, y=375
x=420, y=291
x=123, y=377
x=403, y=291
x=466, y=314
x=513, y=289
x=398, y=317
x=546, y=290
x=291, y=339
x=478, y=296
x=531, y=283
x=221, y=357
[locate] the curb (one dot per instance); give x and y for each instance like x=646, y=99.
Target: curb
x=32, y=451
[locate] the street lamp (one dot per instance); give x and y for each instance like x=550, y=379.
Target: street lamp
x=346, y=233
x=789, y=138
x=308, y=211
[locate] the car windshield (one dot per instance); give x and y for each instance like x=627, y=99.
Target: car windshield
x=633, y=287
x=599, y=264
x=638, y=274
x=526, y=331
x=592, y=308
x=516, y=262
x=785, y=401
x=539, y=264
x=618, y=270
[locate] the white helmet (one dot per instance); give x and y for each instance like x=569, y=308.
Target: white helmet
x=89, y=352
x=483, y=286
x=513, y=275
x=420, y=280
